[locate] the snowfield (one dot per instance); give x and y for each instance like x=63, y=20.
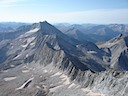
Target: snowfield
x=9, y=78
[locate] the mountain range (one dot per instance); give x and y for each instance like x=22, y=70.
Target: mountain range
x=94, y=32
x=65, y=60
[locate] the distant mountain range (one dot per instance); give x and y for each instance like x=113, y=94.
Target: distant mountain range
x=93, y=32
x=10, y=26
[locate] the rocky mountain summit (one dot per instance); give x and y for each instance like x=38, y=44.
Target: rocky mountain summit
x=51, y=63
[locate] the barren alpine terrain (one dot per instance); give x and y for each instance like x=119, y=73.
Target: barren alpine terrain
x=40, y=60
x=37, y=80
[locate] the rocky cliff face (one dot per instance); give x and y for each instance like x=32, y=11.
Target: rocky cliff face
x=118, y=50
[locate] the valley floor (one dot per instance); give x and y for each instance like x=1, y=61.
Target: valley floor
x=36, y=80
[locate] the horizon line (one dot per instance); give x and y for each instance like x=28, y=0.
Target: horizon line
x=60, y=22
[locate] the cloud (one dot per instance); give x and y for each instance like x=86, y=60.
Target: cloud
x=8, y=3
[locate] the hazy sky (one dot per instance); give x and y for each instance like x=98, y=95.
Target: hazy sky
x=71, y=11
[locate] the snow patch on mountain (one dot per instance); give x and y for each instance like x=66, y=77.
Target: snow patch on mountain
x=25, y=71
x=25, y=84
x=33, y=31
x=9, y=78
x=17, y=57
x=28, y=41
x=92, y=52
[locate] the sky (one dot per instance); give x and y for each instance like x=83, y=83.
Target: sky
x=66, y=11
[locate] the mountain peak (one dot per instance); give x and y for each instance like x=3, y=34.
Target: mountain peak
x=46, y=28
x=44, y=22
